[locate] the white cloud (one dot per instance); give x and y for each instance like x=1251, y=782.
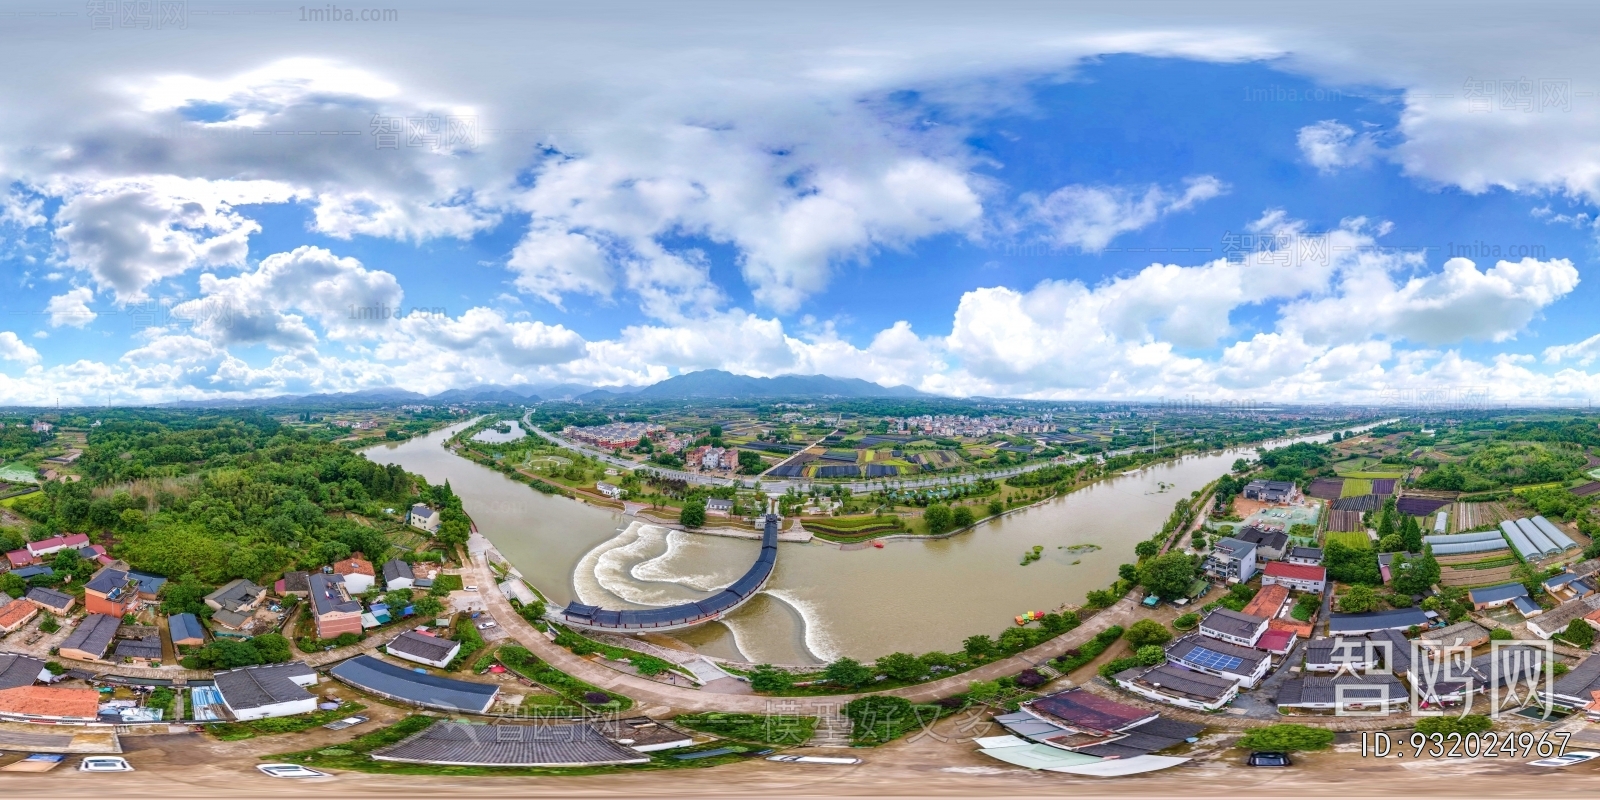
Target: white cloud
x=71, y=308
x=12, y=348
x=1089, y=217
x=1581, y=353
x=1331, y=146
x=130, y=234
x=348, y=300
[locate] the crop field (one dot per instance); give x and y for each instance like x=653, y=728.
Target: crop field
x=1355, y=487
x=1353, y=539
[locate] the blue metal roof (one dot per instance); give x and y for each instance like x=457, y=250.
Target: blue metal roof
x=185, y=626
x=1525, y=605
x=400, y=683
x=1498, y=594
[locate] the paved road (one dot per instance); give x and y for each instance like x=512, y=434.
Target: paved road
x=649, y=693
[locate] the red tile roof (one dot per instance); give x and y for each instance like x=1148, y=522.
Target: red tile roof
x=21, y=558
x=15, y=613
x=1268, y=602
x=354, y=566
x=1275, y=640
x=1088, y=711
x=1303, y=572
x=58, y=542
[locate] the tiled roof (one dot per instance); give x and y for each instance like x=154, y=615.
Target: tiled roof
x=18, y=670
x=148, y=647
x=397, y=682
x=15, y=614
x=1497, y=594
x=93, y=635
x=509, y=745
x=326, y=598
x=1232, y=622
x=354, y=566
x=50, y=598
x=395, y=569
x=423, y=646
x=50, y=701
x=185, y=626
x=254, y=687
x=1299, y=572
x=1083, y=709
x=1268, y=601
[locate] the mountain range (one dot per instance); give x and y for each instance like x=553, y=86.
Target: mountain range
x=705, y=384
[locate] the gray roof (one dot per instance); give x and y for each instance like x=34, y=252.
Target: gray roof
x=1467, y=632
x=230, y=619
x=108, y=581
x=428, y=691
x=254, y=687
x=394, y=569
x=93, y=635
x=427, y=648
x=1358, y=689
x=296, y=581
x=422, y=510
x=719, y=503
x=185, y=626
x=1234, y=547
x=325, y=597
x=1581, y=680
x=18, y=670
x=1377, y=620
x=1177, y=680
x=50, y=598
x=1559, y=617
x=1250, y=658
x=235, y=594
x=536, y=745
x=148, y=647
x=1232, y=622
x=1308, y=553
x=1271, y=540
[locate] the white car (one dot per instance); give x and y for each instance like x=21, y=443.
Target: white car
x=1566, y=759
x=289, y=771
x=814, y=760
x=104, y=764
x=483, y=626
x=471, y=589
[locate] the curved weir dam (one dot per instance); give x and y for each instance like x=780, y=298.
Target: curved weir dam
x=684, y=615
x=820, y=602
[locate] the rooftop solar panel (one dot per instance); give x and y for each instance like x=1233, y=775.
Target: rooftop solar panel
x=1211, y=659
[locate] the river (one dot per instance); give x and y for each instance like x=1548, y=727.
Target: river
x=822, y=602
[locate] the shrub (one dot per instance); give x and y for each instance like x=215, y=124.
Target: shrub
x=1146, y=632
x=596, y=698
x=983, y=691
x=1116, y=665
x=1471, y=723
x=1501, y=635
x=1031, y=678
x=961, y=517
x=1287, y=738
x=765, y=678
x=49, y=624
x=1151, y=655
x=1579, y=634
x=848, y=673
x=1187, y=621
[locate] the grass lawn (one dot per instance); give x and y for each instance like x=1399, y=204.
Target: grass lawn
x=1355, y=539
x=1355, y=487
x=778, y=729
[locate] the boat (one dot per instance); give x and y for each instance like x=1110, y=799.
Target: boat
x=1029, y=616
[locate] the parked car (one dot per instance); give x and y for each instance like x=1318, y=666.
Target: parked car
x=485, y=625
x=1566, y=759
x=472, y=588
x=1269, y=760
x=814, y=760
x=289, y=771
x=105, y=764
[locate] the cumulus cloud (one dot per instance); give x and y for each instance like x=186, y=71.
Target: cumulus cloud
x=71, y=308
x=130, y=234
x=1331, y=146
x=1089, y=217
x=345, y=298
x=12, y=348
x=1581, y=353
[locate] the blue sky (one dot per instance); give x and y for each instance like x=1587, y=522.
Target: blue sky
x=1050, y=204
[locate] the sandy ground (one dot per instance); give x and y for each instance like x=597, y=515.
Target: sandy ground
x=937, y=763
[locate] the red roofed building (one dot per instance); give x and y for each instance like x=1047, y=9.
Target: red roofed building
x=21, y=558
x=1291, y=625
x=1277, y=641
x=358, y=574
x=55, y=544
x=1269, y=601
x=1302, y=577
x=1089, y=712
x=15, y=614
x=49, y=704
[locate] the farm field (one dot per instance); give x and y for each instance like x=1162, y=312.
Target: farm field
x=1354, y=539
x=1355, y=487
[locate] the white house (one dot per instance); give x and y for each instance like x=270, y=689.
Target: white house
x=423, y=649
x=424, y=518
x=269, y=690
x=717, y=507
x=1246, y=665
x=1233, y=626
x=1300, y=577
x=397, y=574
x=610, y=490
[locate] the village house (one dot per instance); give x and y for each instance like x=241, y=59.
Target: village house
x=358, y=574
x=1305, y=555
x=1244, y=665
x=1467, y=634
x=1579, y=688
x=17, y=614
x=112, y=592
x=335, y=612
x=397, y=574
x=1177, y=686
x=295, y=583
x=91, y=639
x=423, y=649
x=268, y=690
x=718, y=507
x=1300, y=577
x=56, y=544
x=1231, y=560
x=1557, y=619
x=20, y=670
x=423, y=518
x=1270, y=544
x=186, y=630
x=610, y=490
x=1394, y=619
x=1267, y=602
x=1567, y=586
x=50, y=600
x=1505, y=594
x=1341, y=692
x=1272, y=491
x=1232, y=626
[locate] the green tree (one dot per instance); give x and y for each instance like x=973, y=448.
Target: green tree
x=1146, y=549
x=1579, y=634
x=1358, y=599
x=228, y=654
x=1391, y=544
x=1167, y=576
x=186, y=595
x=1128, y=572
x=996, y=507
x=1501, y=635
x=1447, y=725
x=1411, y=534
x=767, y=679
x=1287, y=738
x=961, y=517
x=902, y=667
x=848, y=673
x=428, y=607
x=937, y=516
x=1147, y=632
x=693, y=514
x=983, y=691
x=272, y=647
x=1150, y=655
x=13, y=585
x=979, y=646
